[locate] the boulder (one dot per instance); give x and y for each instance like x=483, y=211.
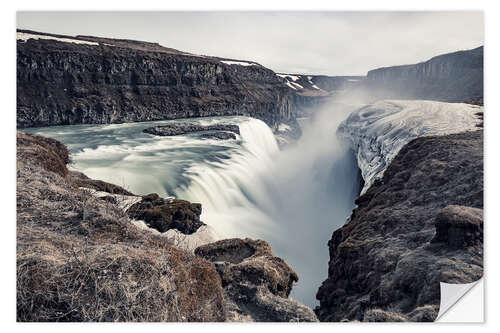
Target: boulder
x=256, y=283
x=163, y=215
x=459, y=226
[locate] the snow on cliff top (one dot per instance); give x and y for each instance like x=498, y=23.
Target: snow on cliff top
x=378, y=131
x=25, y=36
x=241, y=63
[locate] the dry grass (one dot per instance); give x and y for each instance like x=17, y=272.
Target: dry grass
x=81, y=259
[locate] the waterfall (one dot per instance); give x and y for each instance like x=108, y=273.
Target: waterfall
x=294, y=198
x=228, y=188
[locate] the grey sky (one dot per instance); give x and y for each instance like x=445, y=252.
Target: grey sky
x=332, y=43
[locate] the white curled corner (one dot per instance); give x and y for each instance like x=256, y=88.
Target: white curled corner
x=461, y=302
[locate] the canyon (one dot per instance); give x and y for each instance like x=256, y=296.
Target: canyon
x=399, y=182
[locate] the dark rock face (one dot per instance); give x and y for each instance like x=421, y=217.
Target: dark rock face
x=418, y=226
x=186, y=128
x=451, y=77
x=117, y=81
x=163, y=215
x=459, y=226
x=256, y=283
x=219, y=136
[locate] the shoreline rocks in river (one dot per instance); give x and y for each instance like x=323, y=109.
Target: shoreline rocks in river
x=256, y=283
x=207, y=131
x=219, y=135
x=421, y=224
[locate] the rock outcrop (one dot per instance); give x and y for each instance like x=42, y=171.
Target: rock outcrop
x=64, y=80
x=421, y=224
x=256, y=283
x=163, y=215
x=459, y=226
x=186, y=128
x=452, y=77
x=220, y=135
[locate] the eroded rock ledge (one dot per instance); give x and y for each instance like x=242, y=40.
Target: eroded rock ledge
x=419, y=225
x=217, y=131
x=256, y=283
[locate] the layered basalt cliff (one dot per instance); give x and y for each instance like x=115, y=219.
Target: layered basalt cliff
x=452, y=77
x=421, y=224
x=88, y=80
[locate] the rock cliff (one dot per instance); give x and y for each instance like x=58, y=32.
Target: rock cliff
x=89, y=80
x=452, y=77
x=420, y=225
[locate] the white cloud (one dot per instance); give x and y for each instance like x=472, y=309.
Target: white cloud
x=334, y=43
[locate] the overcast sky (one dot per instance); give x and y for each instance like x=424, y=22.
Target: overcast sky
x=332, y=43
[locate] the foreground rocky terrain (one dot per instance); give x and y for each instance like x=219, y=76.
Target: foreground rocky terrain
x=65, y=80
x=420, y=225
x=83, y=256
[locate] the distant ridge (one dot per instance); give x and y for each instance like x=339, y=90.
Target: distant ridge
x=450, y=77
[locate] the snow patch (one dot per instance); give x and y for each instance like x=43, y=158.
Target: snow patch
x=204, y=235
x=290, y=85
x=25, y=36
x=378, y=131
x=287, y=76
x=241, y=63
x=294, y=86
x=284, y=127
x=124, y=202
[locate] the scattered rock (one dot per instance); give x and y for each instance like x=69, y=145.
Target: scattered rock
x=256, y=283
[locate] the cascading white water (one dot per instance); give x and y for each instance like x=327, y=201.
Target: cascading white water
x=294, y=198
x=226, y=187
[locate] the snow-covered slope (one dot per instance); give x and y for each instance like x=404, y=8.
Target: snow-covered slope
x=378, y=131
x=25, y=36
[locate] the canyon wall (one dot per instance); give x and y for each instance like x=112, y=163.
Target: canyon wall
x=421, y=224
x=452, y=77
x=65, y=80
